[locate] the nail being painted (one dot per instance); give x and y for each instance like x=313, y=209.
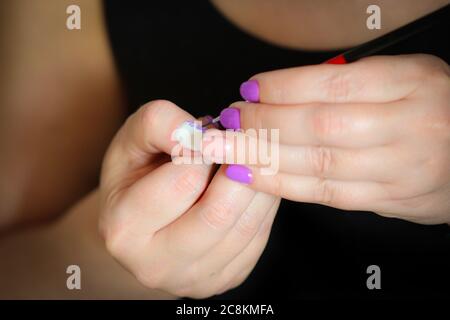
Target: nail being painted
x=189, y=135
x=208, y=120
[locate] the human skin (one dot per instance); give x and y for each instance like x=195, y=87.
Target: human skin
x=205, y=242
x=34, y=260
x=92, y=108
x=373, y=135
x=61, y=105
x=320, y=25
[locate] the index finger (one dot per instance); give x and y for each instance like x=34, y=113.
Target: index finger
x=373, y=79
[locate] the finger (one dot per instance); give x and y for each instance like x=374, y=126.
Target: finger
x=208, y=221
x=211, y=266
x=144, y=136
x=348, y=195
x=220, y=277
x=155, y=201
x=369, y=164
x=241, y=234
x=159, y=198
x=340, y=125
x=373, y=79
x=241, y=267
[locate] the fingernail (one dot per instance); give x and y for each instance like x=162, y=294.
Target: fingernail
x=239, y=173
x=250, y=91
x=206, y=120
x=188, y=134
x=230, y=118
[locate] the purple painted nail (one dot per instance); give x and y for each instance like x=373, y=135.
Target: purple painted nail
x=250, y=91
x=239, y=173
x=230, y=118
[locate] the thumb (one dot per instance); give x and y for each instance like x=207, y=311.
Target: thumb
x=145, y=135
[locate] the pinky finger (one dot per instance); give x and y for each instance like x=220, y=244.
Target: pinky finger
x=240, y=268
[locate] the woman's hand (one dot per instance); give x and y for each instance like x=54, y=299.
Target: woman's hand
x=371, y=135
x=169, y=224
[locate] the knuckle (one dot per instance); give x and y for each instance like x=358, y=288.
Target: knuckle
x=251, y=115
x=247, y=226
x=118, y=235
x=258, y=116
x=190, y=280
x=427, y=61
x=277, y=187
x=436, y=170
x=325, y=123
x=151, y=276
x=437, y=125
x=112, y=245
x=104, y=216
x=338, y=87
x=436, y=122
x=153, y=112
x=440, y=83
x=322, y=160
x=219, y=214
x=427, y=68
x=118, y=244
x=325, y=192
x=190, y=180
x=114, y=225
x=114, y=241
x=420, y=63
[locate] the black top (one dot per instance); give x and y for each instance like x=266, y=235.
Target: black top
x=186, y=52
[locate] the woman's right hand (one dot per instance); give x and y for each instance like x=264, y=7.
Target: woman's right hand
x=170, y=225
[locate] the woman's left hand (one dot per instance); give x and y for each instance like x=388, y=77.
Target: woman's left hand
x=373, y=135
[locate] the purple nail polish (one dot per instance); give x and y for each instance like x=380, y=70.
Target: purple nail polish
x=239, y=173
x=250, y=91
x=230, y=118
